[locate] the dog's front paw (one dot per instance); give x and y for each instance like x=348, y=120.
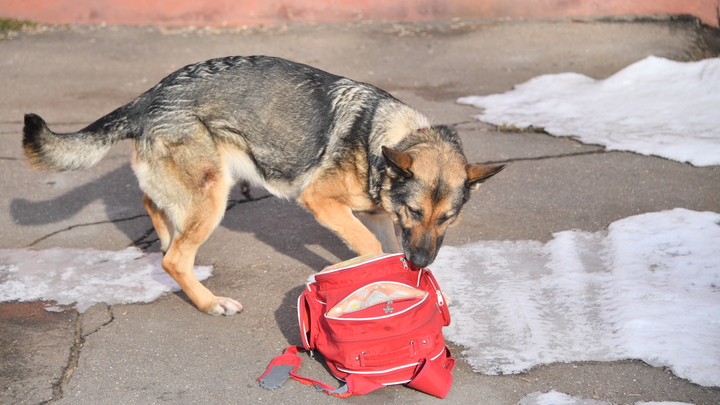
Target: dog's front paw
x=223, y=306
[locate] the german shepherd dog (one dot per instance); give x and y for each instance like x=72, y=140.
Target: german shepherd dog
x=356, y=157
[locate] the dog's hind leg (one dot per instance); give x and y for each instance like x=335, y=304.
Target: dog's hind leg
x=201, y=215
x=380, y=224
x=159, y=221
x=189, y=190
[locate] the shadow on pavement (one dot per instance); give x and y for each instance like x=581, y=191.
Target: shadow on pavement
x=283, y=225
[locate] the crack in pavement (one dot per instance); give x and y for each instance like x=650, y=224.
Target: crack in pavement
x=142, y=242
x=74, y=356
x=529, y=130
x=112, y=221
x=547, y=157
x=457, y=124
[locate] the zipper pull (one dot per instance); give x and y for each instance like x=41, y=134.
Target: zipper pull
x=441, y=299
x=404, y=262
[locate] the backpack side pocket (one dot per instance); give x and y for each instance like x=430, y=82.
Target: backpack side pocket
x=310, y=310
x=433, y=286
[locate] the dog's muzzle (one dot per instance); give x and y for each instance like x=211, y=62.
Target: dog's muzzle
x=423, y=252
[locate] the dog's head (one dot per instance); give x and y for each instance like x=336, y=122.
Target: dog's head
x=425, y=189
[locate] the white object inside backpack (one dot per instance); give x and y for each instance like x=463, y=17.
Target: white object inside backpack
x=373, y=294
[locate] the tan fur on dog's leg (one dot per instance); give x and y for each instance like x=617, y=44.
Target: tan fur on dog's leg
x=339, y=218
x=178, y=263
x=332, y=198
x=380, y=224
x=202, y=214
x=159, y=221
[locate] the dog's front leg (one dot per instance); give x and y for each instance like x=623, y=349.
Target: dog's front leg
x=339, y=218
x=380, y=224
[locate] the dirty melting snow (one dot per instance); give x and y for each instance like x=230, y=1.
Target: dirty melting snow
x=85, y=277
x=653, y=107
x=648, y=288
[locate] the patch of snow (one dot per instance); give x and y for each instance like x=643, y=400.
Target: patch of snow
x=653, y=107
x=648, y=288
x=85, y=277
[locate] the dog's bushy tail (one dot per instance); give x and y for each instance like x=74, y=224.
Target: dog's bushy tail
x=47, y=150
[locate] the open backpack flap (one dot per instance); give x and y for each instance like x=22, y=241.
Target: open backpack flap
x=377, y=320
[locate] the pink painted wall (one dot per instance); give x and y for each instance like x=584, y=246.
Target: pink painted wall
x=262, y=12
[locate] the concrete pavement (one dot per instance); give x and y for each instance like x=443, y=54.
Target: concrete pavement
x=167, y=351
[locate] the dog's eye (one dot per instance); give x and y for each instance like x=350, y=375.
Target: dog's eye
x=417, y=214
x=445, y=218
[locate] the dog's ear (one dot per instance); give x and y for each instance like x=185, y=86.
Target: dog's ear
x=397, y=163
x=477, y=174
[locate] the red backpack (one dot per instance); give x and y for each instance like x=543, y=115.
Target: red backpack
x=377, y=320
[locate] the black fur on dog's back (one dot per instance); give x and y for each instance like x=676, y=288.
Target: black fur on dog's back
x=286, y=113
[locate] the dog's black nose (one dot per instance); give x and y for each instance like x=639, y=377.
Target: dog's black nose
x=419, y=259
